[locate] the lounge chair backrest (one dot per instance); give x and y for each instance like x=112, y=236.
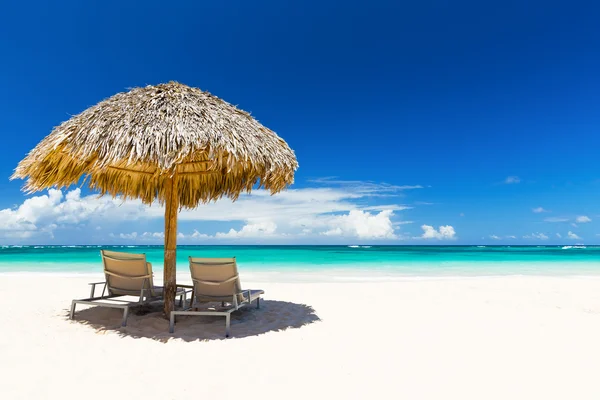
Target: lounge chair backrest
x=126, y=273
x=215, y=279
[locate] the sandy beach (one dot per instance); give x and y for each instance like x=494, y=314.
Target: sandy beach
x=467, y=338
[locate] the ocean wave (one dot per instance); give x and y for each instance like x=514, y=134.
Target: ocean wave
x=573, y=247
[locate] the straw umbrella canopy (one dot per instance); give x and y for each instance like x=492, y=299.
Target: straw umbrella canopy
x=170, y=143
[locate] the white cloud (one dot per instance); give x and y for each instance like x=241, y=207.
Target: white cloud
x=539, y=210
x=495, y=237
x=582, y=219
x=153, y=235
x=462, y=214
x=23, y=221
x=444, y=232
x=539, y=236
x=572, y=235
x=512, y=179
x=558, y=235
x=251, y=230
x=511, y=237
x=366, y=187
x=362, y=225
x=131, y=235
x=198, y=235
x=556, y=219
x=40, y=216
x=339, y=211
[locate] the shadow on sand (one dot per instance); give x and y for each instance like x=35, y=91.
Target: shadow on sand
x=147, y=321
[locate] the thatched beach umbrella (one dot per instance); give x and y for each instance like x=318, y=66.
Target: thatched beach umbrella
x=169, y=143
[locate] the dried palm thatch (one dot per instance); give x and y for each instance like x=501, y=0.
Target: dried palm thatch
x=168, y=143
x=131, y=144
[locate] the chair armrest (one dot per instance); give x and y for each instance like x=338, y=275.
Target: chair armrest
x=184, y=286
x=93, y=290
x=247, y=292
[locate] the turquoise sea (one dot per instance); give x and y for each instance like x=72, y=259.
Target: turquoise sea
x=361, y=261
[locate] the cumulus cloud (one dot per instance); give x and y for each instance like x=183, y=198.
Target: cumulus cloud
x=362, y=225
x=444, y=232
x=347, y=210
x=581, y=219
x=198, y=235
x=131, y=235
x=572, y=235
x=356, y=224
x=23, y=221
x=153, y=235
x=251, y=230
x=512, y=179
x=511, y=237
x=40, y=216
x=495, y=237
x=538, y=235
x=539, y=210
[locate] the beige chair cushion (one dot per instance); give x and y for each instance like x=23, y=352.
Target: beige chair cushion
x=126, y=273
x=217, y=279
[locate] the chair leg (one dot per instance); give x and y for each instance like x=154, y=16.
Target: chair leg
x=181, y=301
x=72, y=313
x=227, y=324
x=258, y=302
x=172, y=323
x=125, y=312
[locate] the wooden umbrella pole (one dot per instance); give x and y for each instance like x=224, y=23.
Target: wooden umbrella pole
x=170, y=276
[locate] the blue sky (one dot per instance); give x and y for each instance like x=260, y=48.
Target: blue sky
x=405, y=116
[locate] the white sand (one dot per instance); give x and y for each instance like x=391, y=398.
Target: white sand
x=462, y=338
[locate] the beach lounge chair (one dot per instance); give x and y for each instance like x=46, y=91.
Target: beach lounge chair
x=126, y=275
x=217, y=290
